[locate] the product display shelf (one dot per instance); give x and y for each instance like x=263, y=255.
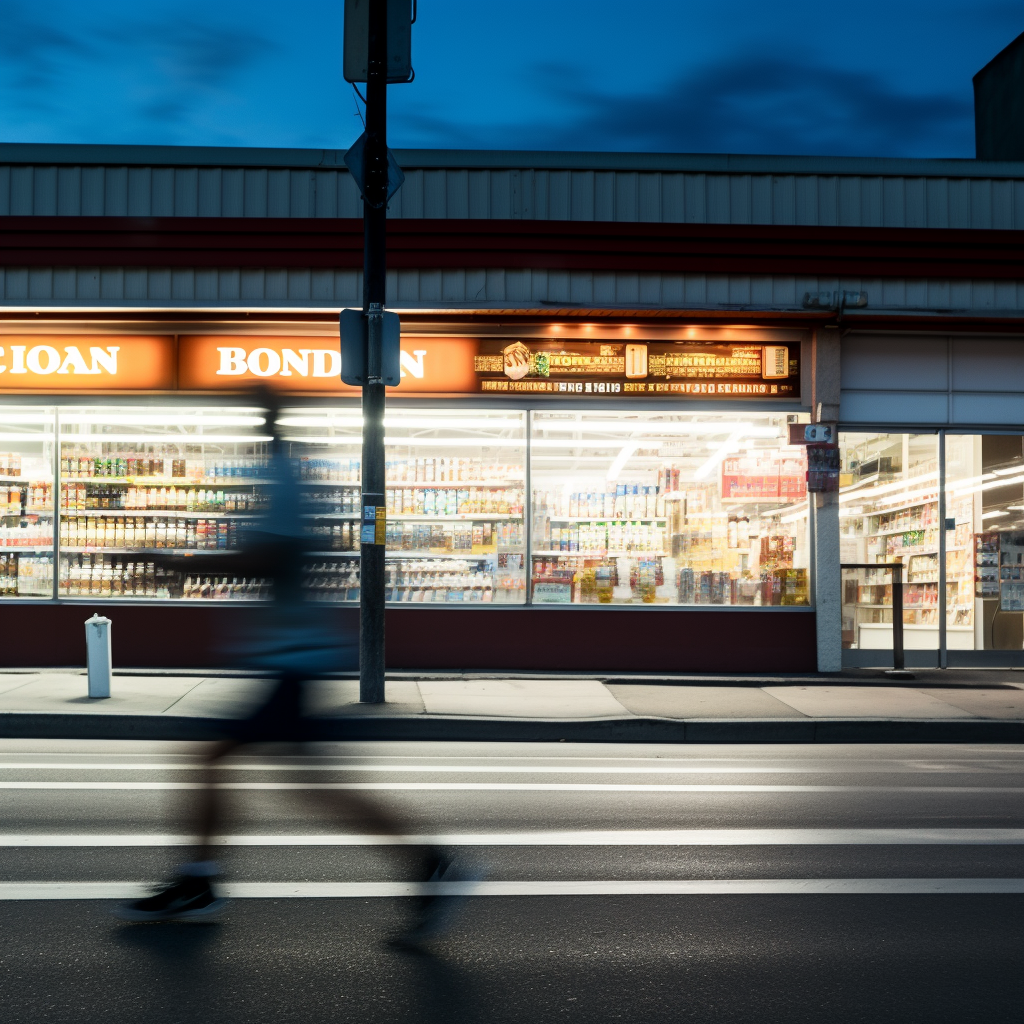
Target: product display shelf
x=598, y=553
x=177, y=513
x=26, y=548
x=432, y=484
x=388, y=554
x=612, y=520
x=904, y=529
x=460, y=517
x=168, y=481
x=102, y=550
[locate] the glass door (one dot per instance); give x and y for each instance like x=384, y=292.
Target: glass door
x=985, y=548
x=889, y=514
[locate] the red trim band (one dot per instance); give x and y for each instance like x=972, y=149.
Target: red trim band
x=513, y=244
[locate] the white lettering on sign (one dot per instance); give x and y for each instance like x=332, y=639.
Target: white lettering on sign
x=264, y=362
x=232, y=362
x=326, y=362
x=297, y=362
x=45, y=359
x=414, y=366
x=268, y=362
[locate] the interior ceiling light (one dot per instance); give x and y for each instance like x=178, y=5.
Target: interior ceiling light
x=994, y=515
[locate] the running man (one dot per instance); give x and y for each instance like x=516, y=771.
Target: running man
x=297, y=641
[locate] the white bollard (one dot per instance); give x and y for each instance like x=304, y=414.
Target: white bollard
x=97, y=655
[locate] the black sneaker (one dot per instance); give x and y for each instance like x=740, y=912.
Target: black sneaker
x=185, y=898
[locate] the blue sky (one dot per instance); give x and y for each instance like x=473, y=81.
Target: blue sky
x=879, y=78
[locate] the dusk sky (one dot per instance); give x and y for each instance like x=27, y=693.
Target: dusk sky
x=879, y=78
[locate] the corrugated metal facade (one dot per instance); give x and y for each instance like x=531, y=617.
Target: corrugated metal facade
x=481, y=289
x=53, y=181
x=849, y=200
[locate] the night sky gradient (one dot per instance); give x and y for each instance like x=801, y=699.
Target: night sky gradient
x=877, y=78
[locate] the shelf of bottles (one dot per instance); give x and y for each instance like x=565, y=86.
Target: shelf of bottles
x=26, y=502
x=137, y=483
x=454, y=499
x=667, y=509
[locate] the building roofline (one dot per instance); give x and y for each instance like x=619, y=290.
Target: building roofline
x=699, y=163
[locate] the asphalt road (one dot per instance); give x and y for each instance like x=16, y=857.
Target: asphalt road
x=654, y=884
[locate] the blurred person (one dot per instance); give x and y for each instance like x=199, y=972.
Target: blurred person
x=296, y=641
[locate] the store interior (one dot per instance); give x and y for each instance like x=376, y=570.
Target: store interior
x=492, y=506
x=890, y=512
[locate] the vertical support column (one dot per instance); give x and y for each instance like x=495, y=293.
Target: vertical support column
x=825, y=508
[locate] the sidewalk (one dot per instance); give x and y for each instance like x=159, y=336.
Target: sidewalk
x=940, y=706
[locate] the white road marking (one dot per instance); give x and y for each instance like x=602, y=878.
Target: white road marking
x=511, y=787
x=471, y=769
x=713, y=887
x=623, y=837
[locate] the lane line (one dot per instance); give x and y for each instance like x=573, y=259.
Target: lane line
x=713, y=887
x=476, y=769
x=511, y=787
x=595, y=838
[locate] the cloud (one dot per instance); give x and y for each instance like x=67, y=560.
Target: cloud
x=160, y=69
x=758, y=104
x=34, y=52
x=745, y=104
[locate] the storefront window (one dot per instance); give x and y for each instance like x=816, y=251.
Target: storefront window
x=26, y=502
x=985, y=542
x=889, y=513
x=137, y=482
x=455, y=485
x=659, y=508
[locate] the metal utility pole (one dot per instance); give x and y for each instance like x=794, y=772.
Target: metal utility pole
x=375, y=196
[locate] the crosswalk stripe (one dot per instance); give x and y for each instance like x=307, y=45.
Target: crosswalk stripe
x=597, y=838
x=712, y=887
x=509, y=787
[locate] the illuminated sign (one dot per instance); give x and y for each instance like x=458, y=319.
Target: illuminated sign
x=225, y=362
x=92, y=363
x=436, y=366
x=698, y=369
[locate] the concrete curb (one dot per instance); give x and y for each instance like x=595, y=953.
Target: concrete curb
x=523, y=730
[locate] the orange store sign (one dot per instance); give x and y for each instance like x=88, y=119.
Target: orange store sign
x=222, y=362
x=74, y=363
x=735, y=369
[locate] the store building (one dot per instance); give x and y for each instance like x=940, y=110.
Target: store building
x=589, y=458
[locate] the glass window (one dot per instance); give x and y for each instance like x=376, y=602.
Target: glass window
x=455, y=483
x=889, y=512
x=26, y=502
x=137, y=481
x=985, y=542
x=660, y=508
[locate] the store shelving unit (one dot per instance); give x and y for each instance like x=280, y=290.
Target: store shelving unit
x=455, y=529
x=149, y=486
x=26, y=502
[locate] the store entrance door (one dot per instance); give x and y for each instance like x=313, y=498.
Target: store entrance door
x=984, y=491
x=950, y=509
